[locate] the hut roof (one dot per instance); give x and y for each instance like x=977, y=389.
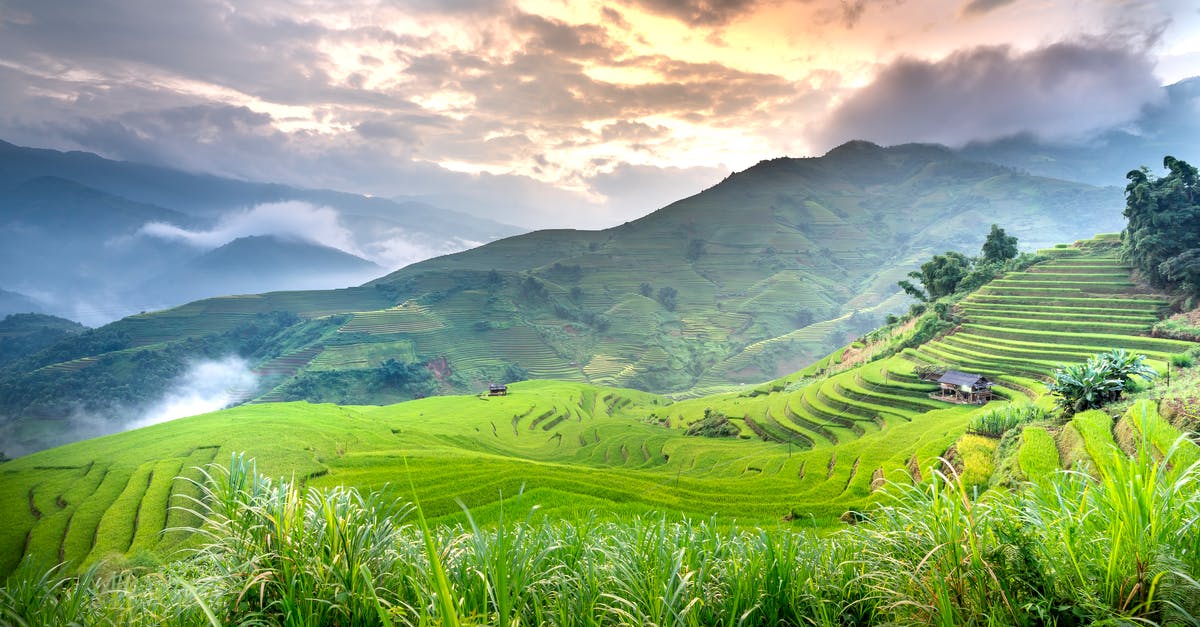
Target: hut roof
x=954, y=377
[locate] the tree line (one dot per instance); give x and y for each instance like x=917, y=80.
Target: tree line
x=1162, y=237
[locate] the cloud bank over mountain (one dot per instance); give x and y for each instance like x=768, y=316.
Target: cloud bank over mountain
x=532, y=111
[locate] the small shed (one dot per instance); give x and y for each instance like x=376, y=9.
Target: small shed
x=497, y=390
x=964, y=387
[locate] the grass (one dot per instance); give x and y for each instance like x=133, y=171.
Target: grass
x=929, y=553
x=813, y=445
x=1037, y=456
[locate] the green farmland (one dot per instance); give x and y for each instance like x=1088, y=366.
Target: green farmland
x=746, y=282
x=811, y=445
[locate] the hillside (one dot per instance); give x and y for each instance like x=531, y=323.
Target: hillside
x=22, y=334
x=756, y=277
x=812, y=445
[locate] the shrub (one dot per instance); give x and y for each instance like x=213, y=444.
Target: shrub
x=714, y=424
x=1101, y=380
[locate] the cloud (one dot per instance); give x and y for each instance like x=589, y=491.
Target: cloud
x=979, y=7
x=635, y=190
x=292, y=220
x=1060, y=91
x=699, y=12
x=206, y=386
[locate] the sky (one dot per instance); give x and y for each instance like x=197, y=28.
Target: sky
x=552, y=113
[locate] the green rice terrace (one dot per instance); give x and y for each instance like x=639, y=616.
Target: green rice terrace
x=810, y=447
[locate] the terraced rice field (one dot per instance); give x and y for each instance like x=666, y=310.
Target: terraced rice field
x=406, y=318
x=811, y=445
x=1019, y=329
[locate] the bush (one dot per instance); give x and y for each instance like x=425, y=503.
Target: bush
x=714, y=424
x=1101, y=380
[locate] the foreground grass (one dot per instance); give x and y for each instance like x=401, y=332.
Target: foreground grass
x=1115, y=543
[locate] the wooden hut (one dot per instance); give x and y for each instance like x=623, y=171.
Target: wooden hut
x=964, y=387
x=497, y=390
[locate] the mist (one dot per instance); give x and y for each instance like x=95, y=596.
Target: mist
x=292, y=219
x=206, y=386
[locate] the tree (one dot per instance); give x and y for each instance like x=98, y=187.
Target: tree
x=533, y=289
x=939, y=276
x=694, y=250
x=669, y=298
x=804, y=317
x=999, y=246
x=645, y=290
x=1163, y=230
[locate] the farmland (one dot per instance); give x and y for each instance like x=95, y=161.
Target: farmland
x=813, y=445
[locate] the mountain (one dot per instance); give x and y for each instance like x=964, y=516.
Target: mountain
x=13, y=302
x=753, y=278
x=249, y=265
x=1170, y=127
x=207, y=195
x=22, y=334
x=88, y=235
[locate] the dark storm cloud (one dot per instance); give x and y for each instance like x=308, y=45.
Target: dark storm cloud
x=1064, y=90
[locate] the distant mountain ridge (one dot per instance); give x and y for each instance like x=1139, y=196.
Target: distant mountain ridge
x=71, y=231
x=240, y=266
x=1171, y=127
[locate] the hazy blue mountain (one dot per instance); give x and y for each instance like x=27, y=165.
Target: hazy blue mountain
x=249, y=265
x=13, y=302
x=73, y=234
x=1171, y=127
x=203, y=194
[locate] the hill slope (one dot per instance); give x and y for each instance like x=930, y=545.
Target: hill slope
x=812, y=444
x=754, y=278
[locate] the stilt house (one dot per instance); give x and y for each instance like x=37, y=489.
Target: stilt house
x=965, y=387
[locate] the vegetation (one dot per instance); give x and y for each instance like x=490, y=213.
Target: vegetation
x=1113, y=546
x=999, y=246
x=1162, y=239
x=714, y=424
x=995, y=422
x=22, y=335
x=1099, y=381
